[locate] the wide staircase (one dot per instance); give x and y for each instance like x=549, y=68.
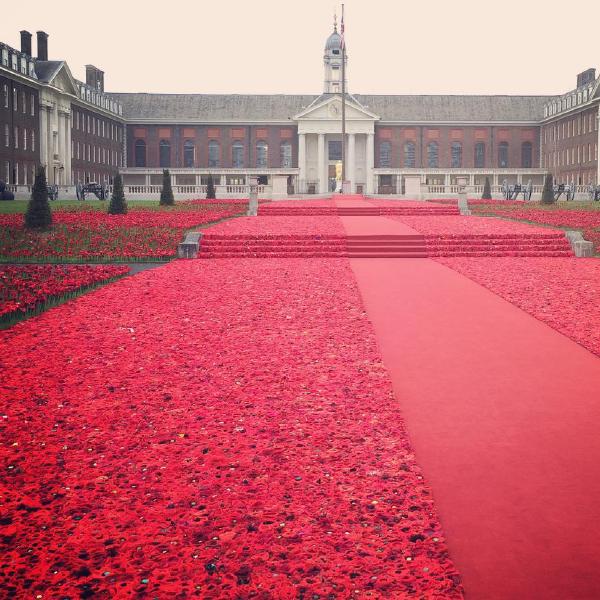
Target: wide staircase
x=383, y=246
x=368, y=235
x=534, y=244
x=356, y=211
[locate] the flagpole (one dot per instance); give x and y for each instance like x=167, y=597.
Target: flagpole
x=343, y=102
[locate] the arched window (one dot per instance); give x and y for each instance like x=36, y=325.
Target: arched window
x=286, y=154
x=214, y=152
x=385, y=154
x=189, y=154
x=503, y=155
x=140, y=153
x=432, y=155
x=456, y=155
x=526, y=155
x=409, y=155
x=262, y=153
x=165, y=153
x=479, y=155
x=237, y=155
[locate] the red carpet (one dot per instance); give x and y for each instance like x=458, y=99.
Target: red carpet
x=503, y=413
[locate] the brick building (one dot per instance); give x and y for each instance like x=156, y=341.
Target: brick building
x=292, y=143
x=47, y=117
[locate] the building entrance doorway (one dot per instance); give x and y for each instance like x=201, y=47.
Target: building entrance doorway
x=331, y=181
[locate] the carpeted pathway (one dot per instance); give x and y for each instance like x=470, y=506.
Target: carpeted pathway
x=503, y=413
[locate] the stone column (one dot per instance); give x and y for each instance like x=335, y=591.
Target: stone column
x=61, y=146
x=301, y=163
x=321, y=163
x=67, y=159
x=370, y=161
x=351, y=173
x=50, y=145
x=43, y=138
x=398, y=184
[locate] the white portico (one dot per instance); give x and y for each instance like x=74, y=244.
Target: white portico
x=320, y=139
x=320, y=132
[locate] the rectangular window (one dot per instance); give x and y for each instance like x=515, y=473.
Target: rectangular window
x=32, y=140
x=6, y=135
x=33, y=105
x=15, y=99
x=334, y=150
x=16, y=137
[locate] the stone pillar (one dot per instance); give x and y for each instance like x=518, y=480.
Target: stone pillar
x=302, y=162
x=61, y=145
x=321, y=163
x=398, y=184
x=43, y=138
x=370, y=161
x=67, y=160
x=350, y=173
x=50, y=145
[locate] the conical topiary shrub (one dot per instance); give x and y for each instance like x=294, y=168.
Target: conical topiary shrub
x=39, y=215
x=487, y=190
x=118, y=204
x=211, y=193
x=166, y=193
x=548, y=191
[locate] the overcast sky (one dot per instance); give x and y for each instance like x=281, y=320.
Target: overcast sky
x=276, y=46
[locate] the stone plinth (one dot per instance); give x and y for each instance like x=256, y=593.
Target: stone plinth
x=190, y=245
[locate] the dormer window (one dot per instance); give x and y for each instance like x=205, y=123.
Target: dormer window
x=4, y=57
x=14, y=62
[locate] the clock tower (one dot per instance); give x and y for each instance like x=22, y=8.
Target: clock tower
x=332, y=61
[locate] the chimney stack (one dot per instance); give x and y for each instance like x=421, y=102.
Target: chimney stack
x=26, y=42
x=42, y=45
x=586, y=77
x=94, y=77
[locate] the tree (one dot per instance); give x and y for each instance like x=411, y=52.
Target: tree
x=118, y=204
x=211, y=193
x=548, y=191
x=487, y=190
x=39, y=215
x=166, y=193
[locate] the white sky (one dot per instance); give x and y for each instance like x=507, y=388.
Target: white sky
x=276, y=46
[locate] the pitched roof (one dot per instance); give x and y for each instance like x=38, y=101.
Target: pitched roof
x=46, y=70
x=456, y=108
x=212, y=107
x=280, y=107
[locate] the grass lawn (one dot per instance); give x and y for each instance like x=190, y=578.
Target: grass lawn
x=20, y=206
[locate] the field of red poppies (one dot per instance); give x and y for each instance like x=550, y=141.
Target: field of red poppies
x=562, y=292
x=95, y=236
x=585, y=220
x=28, y=289
x=251, y=449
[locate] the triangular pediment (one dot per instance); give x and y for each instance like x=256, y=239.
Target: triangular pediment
x=329, y=107
x=63, y=80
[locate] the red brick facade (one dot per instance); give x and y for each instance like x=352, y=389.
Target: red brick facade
x=201, y=135
x=19, y=132
x=467, y=137
x=96, y=145
x=570, y=146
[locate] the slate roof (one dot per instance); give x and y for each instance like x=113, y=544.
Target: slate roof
x=280, y=107
x=47, y=69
